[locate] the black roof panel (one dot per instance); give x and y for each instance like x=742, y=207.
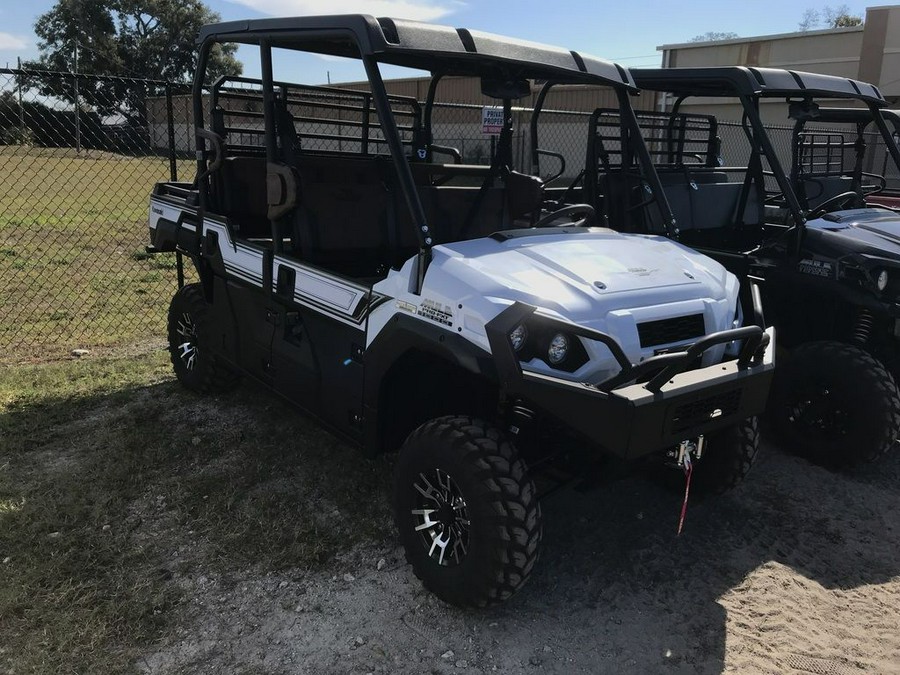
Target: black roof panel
x=452, y=51
x=743, y=81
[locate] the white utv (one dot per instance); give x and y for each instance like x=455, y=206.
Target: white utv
x=446, y=309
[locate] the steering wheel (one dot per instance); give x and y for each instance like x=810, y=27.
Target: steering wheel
x=880, y=184
x=775, y=199
x=586, y=211
x=839, y=200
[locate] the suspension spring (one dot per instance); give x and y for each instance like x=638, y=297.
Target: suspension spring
x=863, y=328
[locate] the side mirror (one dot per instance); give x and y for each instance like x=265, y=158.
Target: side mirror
x=803, y=110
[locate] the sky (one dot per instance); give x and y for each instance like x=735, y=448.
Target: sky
x=626, y=31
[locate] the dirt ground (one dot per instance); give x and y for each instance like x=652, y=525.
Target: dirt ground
x=796, y=571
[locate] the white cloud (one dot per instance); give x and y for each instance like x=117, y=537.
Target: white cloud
x=417, y=10
x=10, y=41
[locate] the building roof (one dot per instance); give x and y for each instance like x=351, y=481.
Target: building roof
x=452, y=51
x=729, y=81
x=761, y=38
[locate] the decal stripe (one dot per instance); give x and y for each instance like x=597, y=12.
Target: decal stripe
x=343, y=300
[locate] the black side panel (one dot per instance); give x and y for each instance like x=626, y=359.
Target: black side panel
x=227, y=341
x=314, y=361
x=255, y=324
x=316, y=364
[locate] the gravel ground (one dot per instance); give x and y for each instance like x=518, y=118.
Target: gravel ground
x=796, y=571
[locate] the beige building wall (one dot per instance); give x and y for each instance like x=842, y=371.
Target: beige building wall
x=832, y=52
x=467, y=90
x=888, y=76
x=870, y=53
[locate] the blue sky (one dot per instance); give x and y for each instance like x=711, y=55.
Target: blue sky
x=622, y=30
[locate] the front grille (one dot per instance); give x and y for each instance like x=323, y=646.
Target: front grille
x=667, y=331
x=699, y=412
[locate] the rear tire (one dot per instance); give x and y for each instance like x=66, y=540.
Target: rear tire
x=196, y=367
x=835, y=404
x=467, y=511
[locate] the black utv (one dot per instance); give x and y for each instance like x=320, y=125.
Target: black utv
x=801, y=218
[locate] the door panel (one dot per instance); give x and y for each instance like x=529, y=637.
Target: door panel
x=255, y=320
x=315, y=353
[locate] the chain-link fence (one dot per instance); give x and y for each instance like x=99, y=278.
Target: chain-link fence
x=80, y=154
x=78, y=157
x=562, y=133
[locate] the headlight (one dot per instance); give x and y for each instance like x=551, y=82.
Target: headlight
x=518, y=337
x=558, y=350
x=882, y=281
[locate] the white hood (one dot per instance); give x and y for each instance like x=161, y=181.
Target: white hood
x=583, y=275
x=599, y=279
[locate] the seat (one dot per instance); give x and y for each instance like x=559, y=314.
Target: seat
x=239, y=192
x=821, y=189
x=705, y=200
x=342, y=216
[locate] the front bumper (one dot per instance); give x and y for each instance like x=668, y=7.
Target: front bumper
x=632, y=419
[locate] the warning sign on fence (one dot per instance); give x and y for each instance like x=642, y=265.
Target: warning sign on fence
x=491, y=120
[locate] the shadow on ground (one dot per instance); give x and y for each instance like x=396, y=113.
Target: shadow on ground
x=108, y=500
x=243, y=538
x=795, y=571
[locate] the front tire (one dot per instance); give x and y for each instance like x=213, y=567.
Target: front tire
x=728, y=456
x=727, y=459
x=835, y=404
x=195, y=366
x=467, y=511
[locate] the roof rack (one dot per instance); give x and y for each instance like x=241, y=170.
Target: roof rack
x=764, y=82
x=452, y=51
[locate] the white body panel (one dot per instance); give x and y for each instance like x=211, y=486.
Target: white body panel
x=599, y=279
x=643, y=279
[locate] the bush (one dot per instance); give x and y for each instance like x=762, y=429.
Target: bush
x=17, y=136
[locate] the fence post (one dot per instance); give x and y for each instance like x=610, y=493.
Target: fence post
x=21, y=107
x=77, y=106
x=170, y=123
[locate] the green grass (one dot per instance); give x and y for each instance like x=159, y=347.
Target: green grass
x=115, y=484
x=73, y=271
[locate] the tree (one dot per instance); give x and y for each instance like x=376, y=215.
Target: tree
x=840, y=17
x=829, y=17
x=810, y=20
x=147, y=39
x=712, y=35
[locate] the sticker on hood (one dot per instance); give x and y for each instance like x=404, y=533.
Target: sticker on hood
x=817, y=268
x=435, y=311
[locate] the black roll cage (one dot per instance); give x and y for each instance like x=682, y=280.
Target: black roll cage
x=439, y=49
x=629, y=119
x=750, y=85
x=862, y=118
